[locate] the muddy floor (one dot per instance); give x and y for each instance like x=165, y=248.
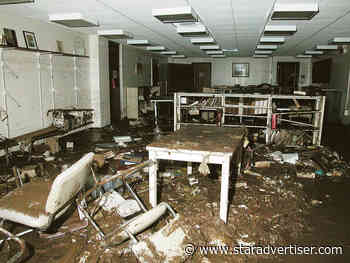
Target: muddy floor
x=268, y=206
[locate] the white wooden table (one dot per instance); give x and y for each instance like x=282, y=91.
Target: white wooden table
x=193, y=144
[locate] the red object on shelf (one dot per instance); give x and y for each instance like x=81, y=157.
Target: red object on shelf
x=274, y=122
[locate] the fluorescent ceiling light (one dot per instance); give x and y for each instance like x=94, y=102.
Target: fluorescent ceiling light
x=231, y=50
x=326, y=47
x=138, y=42
x=304, y=56
x=260, y=56
x=73, y=20
x=272, y=40
x=294, y=11
x=177, y=14
x=9, y=2
x=202, y=40
x=341, y=40
x=192, y=30
x=168, y=52
x=263, y=52
x=313, y=52
x=115, y=34
x=215, y=52
x=156, y=48
x=178, y=56
x=218, y=56
x=282, y=30
x=210, y=47
x=267, y=47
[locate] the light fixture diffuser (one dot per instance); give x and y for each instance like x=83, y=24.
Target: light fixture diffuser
x=73, y=20
x=192, y=30
x=218, y=56
x=280, y=30
x=263, y=52
x=10, y=2
x=203, y=41
x=115, y=34
x=214, y=52
x=138, y=42
x=341, y=40
x=326, y=47
x=175, y=15
x=260, y=56
x=313, y=52
x=294, y=11
x=155, y=48
x=271, y=40
x=168, y=52
x=210, y=47
x=267, y=47
x=178, y=56
x=304, y=56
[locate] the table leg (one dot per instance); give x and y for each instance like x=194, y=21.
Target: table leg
x=225, y=175
x=189, y=168
x=153, y=179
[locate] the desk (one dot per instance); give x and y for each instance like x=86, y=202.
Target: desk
x=193, y=144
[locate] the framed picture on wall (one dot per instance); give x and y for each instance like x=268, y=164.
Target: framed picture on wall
x=30, y=39
x=10, y=37
x=240, y=69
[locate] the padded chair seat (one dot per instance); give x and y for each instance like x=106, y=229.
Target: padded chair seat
x=26, y=205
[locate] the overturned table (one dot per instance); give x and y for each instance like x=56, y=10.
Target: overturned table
x=218, y=145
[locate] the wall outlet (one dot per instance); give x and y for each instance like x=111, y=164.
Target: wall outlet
x=346, y=113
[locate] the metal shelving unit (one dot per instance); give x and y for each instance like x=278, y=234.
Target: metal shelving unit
x=251, y=111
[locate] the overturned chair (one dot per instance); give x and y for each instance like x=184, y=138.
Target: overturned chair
x=37, y=205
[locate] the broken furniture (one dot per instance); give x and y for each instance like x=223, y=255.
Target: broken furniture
x=38, y=204
x=127, y=208
x=254, y=111
x=216, y=145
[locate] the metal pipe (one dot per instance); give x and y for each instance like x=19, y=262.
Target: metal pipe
x=21, y=243
x=135, y=196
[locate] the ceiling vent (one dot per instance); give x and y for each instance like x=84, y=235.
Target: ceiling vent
x=263, y=52
x=215, y=52
x=294, y=11
x=73, y=20
x=281, y=30
x=175, y=15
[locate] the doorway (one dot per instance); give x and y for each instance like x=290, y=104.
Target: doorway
x=288, y=76
x=114, y=81
x=202, y=76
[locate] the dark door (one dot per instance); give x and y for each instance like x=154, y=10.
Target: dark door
x=288, y=76
x=114, y=81
x=180, y=78
x=202, y=76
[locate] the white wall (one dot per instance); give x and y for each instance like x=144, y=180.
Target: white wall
x=26, y=111
x=261, y=70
